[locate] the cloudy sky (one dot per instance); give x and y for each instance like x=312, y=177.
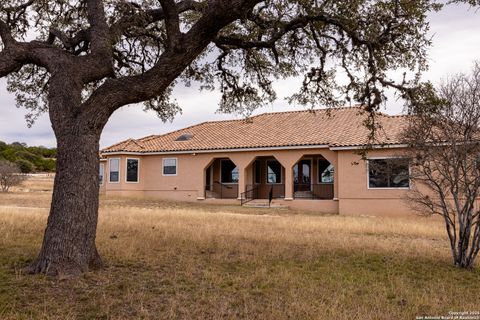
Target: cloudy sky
x=456, y=44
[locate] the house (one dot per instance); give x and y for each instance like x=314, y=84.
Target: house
x=303, y=159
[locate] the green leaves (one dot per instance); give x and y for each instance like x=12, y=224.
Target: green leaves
x=344, y=49
x=28, y=159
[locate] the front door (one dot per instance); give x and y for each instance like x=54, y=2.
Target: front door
x=302, y=173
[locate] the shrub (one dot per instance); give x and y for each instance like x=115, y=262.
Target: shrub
x=48, y=165
x=23, y=154
x=9, y=175
x=25, y=165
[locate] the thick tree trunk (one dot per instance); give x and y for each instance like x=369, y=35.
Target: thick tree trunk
x=69, y=243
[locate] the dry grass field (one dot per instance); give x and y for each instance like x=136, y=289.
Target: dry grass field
x=170, y=260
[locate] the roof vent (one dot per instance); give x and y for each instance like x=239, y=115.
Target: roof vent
x=184, y=137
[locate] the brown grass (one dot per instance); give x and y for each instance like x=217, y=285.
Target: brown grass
x=184, y=261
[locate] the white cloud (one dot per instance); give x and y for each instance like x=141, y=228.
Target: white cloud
x=13, y=126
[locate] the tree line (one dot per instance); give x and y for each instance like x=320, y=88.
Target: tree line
x=29, y=159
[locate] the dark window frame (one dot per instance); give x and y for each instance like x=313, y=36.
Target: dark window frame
x=319, y=173
x=231, y=179
x=110, y=172
x=389, y=175
x=127, y=178
x=267, y=174
x=309, y=162
x=101, y=174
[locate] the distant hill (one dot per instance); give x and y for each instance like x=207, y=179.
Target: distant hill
x=29, y=159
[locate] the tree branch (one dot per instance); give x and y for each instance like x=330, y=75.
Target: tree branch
x=99, y=31
x=16, y=54
x=172, y=23
x=133, y=89
x=145, y=18
x=99, y=62
x=5, y=34
x=285, y=27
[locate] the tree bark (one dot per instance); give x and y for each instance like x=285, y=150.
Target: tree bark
x=69, y=242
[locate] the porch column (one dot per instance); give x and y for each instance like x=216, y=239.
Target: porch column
x=204, y=162
x=242, y=161
x=289, y=181
x=288, y=160
x=201, y=186
x=242, y=180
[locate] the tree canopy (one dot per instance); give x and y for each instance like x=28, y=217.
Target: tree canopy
x=128, y=48
x=28, y=159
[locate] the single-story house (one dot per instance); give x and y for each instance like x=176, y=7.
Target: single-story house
x=302, y=159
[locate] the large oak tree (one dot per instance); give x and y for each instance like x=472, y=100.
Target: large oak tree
x=91, y=57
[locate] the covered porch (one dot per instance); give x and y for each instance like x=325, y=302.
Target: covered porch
x=308, y=177
x=313, y=178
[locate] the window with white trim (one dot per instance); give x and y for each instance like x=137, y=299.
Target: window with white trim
x=132, y=170
x=388, y=173
x=170, y=166
x=101, y=172
x=114, y=170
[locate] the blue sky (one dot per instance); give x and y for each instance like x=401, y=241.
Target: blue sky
x=456, y=44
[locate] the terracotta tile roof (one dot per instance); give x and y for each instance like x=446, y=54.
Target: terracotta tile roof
x=336, y=127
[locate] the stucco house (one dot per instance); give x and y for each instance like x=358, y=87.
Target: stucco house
x=302, y=159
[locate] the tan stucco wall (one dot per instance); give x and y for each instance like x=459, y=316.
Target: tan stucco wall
x=122, y=185
x=351, y=194
x=355, y=198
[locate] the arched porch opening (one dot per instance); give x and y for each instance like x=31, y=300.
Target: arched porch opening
x=221, y=179
x=313, y=178
x=266, y=178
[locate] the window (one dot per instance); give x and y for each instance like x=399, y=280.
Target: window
x=114, y=170
x=388, y=173
x=301, y=172
x=170, y=167
x=229, y=172
x=327, y=175
x=132, y=170
x=325, y=171
x=274, y=171
x=101, y=173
